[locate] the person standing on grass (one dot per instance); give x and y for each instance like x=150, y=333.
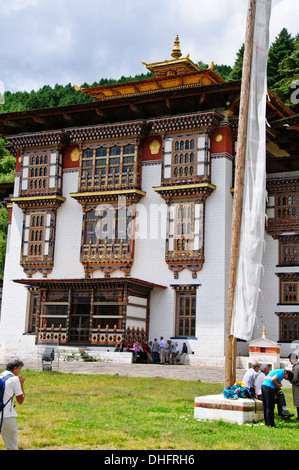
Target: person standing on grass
x=162, y=350
x=14, y=387
x=272, y=380
x=155, y=351
x=294, y=379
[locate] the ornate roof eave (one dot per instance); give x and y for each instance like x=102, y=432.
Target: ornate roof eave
x=201, y=77
x=131, y=283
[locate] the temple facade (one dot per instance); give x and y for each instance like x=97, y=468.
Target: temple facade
x=121, y=217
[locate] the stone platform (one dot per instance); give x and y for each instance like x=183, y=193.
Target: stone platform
x=216, y=407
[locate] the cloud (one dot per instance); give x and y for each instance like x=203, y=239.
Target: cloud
x=48, y=42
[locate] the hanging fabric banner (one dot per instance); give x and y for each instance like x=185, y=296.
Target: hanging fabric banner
x=254, y=193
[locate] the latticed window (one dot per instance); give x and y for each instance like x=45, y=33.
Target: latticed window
x=109, y=167
x=184, y=227
x=41, y=172
x=107, y=233
x=185, y=313
x=186, y=159
x=183, y=160
x=288, y=327
x=286, y=207
x=37, y=234
x=288, y=254
x=33, y=310
x=38, y=172
x=289, y=292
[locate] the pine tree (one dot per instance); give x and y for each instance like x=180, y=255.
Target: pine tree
x=288, y=87
x=281, y=48
x=236, y=73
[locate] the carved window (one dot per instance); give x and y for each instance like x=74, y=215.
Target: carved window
x=33, y=310
x=54, y=311
x=289, y=292
x=286, y=207
x=186, y=158
x=37, y=250
x=107, y=238
x=288, y=327
x=185, y=227
x=41, y=172
x=109, y=167
x=185, y=313
x=288, y=253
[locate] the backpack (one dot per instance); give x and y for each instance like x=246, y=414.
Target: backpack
x=2, y=388
x=238, y=390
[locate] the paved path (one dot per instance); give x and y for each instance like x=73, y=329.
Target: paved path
x=183, y=372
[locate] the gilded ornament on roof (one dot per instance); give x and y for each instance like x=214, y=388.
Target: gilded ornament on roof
x=176, y=51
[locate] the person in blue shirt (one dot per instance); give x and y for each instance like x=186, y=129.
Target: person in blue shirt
x=272, y=380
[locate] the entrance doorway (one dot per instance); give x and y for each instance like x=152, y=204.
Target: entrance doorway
x=80, y=318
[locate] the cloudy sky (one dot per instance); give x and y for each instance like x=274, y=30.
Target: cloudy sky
x=44, y=42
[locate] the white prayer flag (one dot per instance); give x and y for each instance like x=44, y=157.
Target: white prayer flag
x=252, y=229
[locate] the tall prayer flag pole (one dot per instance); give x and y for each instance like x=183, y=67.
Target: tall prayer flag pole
x=250, y=128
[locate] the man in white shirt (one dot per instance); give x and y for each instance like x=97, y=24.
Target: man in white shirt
x=14, y=387
x=162, y=350
x=250, y=377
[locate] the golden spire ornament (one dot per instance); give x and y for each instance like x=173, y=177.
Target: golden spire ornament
x=176, y=51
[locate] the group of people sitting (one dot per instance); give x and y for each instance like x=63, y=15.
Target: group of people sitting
x=266, y=386
x=158, y=352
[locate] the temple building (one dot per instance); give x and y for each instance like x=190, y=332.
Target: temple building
x=121, y=217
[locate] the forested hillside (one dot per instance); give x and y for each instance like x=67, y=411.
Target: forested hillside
x=283, y=71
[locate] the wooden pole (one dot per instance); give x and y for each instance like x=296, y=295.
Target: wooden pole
x=230, y=345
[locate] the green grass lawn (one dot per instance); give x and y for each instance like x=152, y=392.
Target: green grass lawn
x=68, y=411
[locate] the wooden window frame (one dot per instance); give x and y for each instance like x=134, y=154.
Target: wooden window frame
x=118, y=242
x=289, y=291
x=109, y=166
x=41, y=172
x=288, y=252
x=288, y=327
x=34, y=306
x=185, y=315
x=286, y=207
x=186, y=158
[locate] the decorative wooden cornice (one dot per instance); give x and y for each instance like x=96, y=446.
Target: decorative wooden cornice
x=131, y=195
x=39, y=202
x=287, y=314
x=289, y=237
x=109, y=265
x=134, y=130
x=32, y=265
x=191, y=260
x=201, y=190
x=58, y=139
x=278, y=185
x=132, y=284
x=203, y=121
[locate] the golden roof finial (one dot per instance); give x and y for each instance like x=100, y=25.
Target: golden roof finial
x=176, y=51
x=264, y=332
